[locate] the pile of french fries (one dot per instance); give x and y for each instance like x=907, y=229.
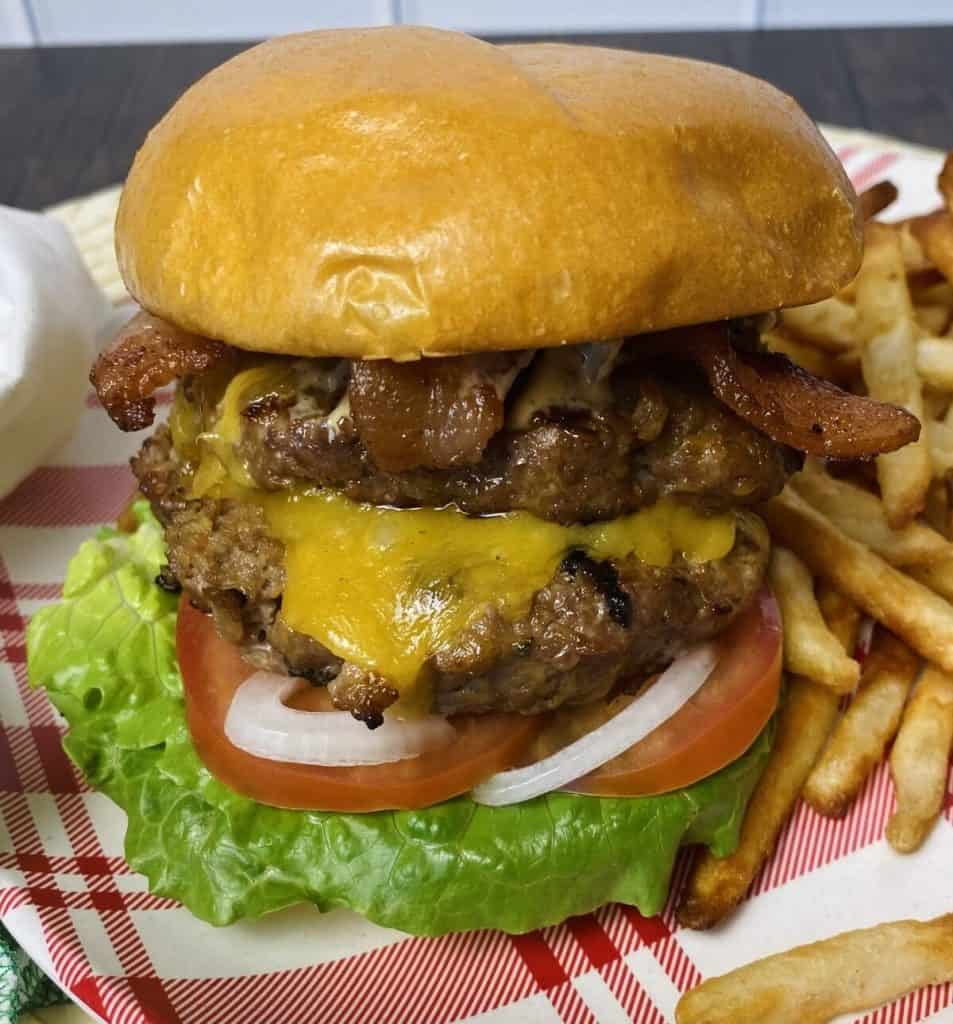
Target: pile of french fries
x=856, y=545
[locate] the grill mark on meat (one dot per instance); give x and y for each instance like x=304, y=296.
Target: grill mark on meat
x=606, y=579
x=147, y=354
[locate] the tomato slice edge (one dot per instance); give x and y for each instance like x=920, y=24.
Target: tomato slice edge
x=212, y=669
x=697, y=741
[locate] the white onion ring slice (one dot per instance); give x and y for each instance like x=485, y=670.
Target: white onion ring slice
x=259, y=722
x=674, y=687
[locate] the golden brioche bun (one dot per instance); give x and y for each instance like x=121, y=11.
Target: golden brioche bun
x=387, y=193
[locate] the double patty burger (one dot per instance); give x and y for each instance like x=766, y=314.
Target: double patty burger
x=472, y=413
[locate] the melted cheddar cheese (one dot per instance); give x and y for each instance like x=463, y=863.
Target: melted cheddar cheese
x=385, y=588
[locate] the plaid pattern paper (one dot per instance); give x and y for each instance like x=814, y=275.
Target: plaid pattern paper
x=131, y=958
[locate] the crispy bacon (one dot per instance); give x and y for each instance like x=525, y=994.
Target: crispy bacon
x=435, y=413
x=790, y=405
x=146, y=354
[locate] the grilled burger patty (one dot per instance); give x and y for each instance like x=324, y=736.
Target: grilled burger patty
x=574, y=435
x=635, y=438
x=655, y=440
x=594, y=625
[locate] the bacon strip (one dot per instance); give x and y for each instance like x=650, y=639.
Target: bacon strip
x=435, y=413
x=793, y=407
x=147, y=354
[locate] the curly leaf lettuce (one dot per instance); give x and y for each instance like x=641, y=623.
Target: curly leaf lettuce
x=106, y=656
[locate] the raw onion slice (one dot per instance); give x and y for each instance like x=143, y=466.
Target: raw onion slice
x=674, y=687
x=259, y=722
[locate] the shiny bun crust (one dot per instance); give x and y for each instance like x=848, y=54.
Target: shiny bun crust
x=387, y=193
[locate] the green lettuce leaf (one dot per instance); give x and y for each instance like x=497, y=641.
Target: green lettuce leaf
x=106, y=655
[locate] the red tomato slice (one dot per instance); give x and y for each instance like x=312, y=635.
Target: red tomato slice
x=212, y=671
x=716, y=726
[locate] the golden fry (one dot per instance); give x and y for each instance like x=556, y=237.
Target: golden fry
x=830, y=324
x=937, y=510
x=811, y=358
x=718, y=885
x=938, y=577
x=860, y=515
x=936, y=404
x=920, y=761
x=940, y=438
x=915, y=260
x=939, y=293
x=932, y=319
x=810, y=648
x=877, y=198
x=945, y=180
x=863, y=732
x=888, y=361
x=935, y=362
x=804, y=722
x=907, y=608
x=811, y=984
x=934, y=232
x=840, y=613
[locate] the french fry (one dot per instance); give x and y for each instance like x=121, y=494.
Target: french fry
x=934, y=232
x=936, y=404
x=938, y=577
x=830, y=324
x=864, y=730
x=935, y=362
x=940, y=438
x=717, y=885
x=888, y=361
x=915, y=260
x=810, y=648
x=932, y=318
x=811, y=358
x=936, y=512
x=841, y=615
x=920, y=761
x=811, y=984
x=877, y=198
x=937, y=294
x=861, y=516
x=945, y=180
x=906, y=607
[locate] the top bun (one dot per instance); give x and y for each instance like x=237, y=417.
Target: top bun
x=398, y=192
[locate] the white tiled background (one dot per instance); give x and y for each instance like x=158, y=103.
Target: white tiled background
x=24, y=22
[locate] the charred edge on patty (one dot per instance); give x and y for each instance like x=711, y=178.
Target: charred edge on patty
x=167, y=581
x=606, y=579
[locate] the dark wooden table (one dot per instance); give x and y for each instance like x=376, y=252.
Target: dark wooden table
x=71, y=118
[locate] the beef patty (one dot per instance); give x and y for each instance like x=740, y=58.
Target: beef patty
x=640, y=436
x=592, y=628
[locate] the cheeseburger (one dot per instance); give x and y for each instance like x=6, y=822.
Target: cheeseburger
x=459, y=484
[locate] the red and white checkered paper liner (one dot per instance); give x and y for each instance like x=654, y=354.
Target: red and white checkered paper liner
x=127, y=956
